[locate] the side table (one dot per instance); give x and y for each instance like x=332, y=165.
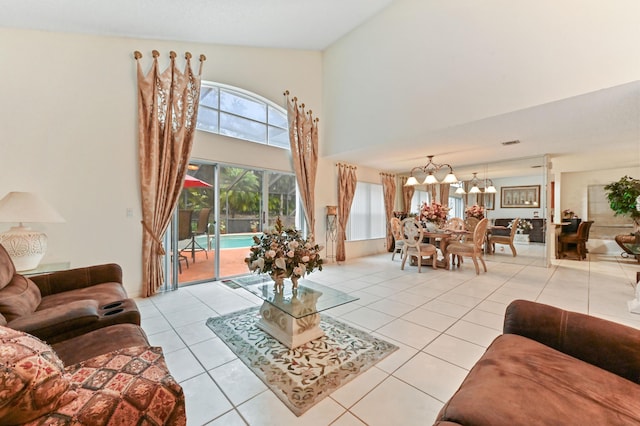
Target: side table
x=45, y=268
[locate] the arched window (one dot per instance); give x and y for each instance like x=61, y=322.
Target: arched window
x=238, y=113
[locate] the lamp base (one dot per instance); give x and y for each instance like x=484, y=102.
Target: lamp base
x=25, y=246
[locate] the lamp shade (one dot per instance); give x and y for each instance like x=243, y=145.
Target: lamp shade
x=25, y=246
x=412, y=181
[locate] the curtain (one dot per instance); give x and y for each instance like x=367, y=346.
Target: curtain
x=389, y=194
x=303, y=137
x=167, y=112
x=407, y=195
x=444, y=193
x=346, y=189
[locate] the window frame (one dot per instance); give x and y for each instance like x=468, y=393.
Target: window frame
x=268, y=125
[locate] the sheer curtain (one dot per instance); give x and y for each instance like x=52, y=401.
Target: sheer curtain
x=167, y=113
x=389, y=193
x=303, y=137
x=347, y=181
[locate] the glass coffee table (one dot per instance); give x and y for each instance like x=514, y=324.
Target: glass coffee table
x=292, y=316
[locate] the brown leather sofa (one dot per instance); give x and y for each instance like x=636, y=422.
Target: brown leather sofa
x=552, y=367
x=65, y=304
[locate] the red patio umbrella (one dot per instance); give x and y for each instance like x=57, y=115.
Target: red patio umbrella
x=192, y=182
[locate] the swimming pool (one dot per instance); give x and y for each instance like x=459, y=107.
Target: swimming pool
x=228, y=240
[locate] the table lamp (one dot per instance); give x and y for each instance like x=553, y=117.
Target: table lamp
x=25, y=246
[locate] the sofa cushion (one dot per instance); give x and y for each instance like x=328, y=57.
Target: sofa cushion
x=100, y=341
x=521, y=381
x=18, y=298
x=129, y=386
x=33, y=380
x=104, y=293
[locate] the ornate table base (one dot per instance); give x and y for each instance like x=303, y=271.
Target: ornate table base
x=290, y=331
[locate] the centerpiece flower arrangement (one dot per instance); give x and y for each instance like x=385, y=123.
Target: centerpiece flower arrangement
x=523, y=225
x=435, y=212
x=568, y=214
x=475, y=211
x=284, y=253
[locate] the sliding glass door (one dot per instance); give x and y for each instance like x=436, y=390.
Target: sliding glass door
x=214, y=225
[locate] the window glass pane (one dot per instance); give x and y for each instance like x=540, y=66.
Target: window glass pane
x=419, y=197
x=377, y=227
x=209, y=96
x=242, y=128
x=207, y=119
x=278, y=118
x=279, y=137
x=243, y=106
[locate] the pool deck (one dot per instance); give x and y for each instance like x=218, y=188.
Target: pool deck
x=231, y=264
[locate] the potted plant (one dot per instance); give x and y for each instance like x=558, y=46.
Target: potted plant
x=623, y=198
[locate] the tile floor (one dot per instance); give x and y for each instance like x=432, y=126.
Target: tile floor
x=441, y=320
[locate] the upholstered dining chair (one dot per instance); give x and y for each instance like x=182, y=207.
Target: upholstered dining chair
x=456, y=225
x=579, y=239
x=506, y=239
x=398, y=237
x=470, y=224
x=473, y=249
x=414, y=247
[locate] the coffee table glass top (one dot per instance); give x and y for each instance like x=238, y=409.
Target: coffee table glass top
x=310, y=297
x=634, y=248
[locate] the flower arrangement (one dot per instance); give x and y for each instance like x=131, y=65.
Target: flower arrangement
x=474, y=211
x=284, y=252
x=568, y=214
x=435, y=212
x=524, y=225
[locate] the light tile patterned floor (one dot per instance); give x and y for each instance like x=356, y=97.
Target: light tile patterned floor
x=441, y=320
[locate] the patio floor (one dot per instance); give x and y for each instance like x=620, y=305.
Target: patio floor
x=231, y=263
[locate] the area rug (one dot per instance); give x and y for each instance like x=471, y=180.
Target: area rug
x=303, y=376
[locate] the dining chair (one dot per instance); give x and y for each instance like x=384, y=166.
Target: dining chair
x=398, y=237
x=579, y=239
x=470, y=224
x=473, y=249
x=456, y=225
x=505, y=239
x=413, y=234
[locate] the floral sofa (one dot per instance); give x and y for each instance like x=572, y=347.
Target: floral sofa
x=126, y=386
x=552, y=367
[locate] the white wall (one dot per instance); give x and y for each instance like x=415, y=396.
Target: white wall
x=424, y=65
x=69, y=130
x=510, y=212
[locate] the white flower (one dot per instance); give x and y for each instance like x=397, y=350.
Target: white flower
x=300, y=269
x=305, y=259
x=257, y=264
x=291, y=253
x=293, y=244
x=280, y=263
x=270, y=254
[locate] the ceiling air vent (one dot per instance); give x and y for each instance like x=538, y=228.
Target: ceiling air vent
x=514, y=142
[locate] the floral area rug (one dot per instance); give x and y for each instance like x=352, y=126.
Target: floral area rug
x=303, y=376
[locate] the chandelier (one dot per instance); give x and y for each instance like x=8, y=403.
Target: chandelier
x=430, y=169
x=475, y=186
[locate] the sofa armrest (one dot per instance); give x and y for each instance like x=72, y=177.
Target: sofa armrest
x=611, y=346
x=51, y=322
x=57, y=282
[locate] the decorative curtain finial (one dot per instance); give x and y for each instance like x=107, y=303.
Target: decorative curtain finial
x=155, y=53
x=172, y=55
x=137, y=54
x=187, y=55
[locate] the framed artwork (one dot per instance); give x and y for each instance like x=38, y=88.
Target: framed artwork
x=520, y=196
x=490, y=201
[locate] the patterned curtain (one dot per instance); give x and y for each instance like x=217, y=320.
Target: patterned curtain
x=167, y=112
x=347, y=181
x=407, y=195
x=389, y=193
x=303, y=137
